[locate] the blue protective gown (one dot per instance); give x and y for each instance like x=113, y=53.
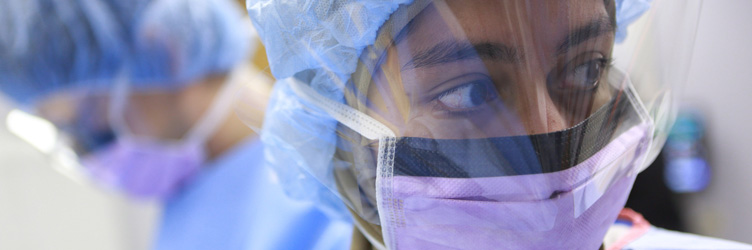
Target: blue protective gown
x=236, y=203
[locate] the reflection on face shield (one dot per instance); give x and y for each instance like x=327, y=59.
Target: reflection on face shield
x=439, y=77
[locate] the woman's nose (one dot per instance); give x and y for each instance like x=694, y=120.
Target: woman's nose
x=537, y=110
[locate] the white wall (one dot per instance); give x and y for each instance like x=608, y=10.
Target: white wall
x=720, y=85
x=42, y=209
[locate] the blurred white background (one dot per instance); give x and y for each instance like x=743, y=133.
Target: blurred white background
x=720, y=86
x=42, y=209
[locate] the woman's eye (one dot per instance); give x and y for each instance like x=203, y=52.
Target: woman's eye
x=585, y=76
x=467, y=96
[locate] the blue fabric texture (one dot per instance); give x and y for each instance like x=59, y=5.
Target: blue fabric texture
x=236, y=203
x=321, y=41
x=52, y=45
x=627, y=12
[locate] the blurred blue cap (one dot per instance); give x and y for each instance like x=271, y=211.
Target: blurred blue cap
x=48, y=46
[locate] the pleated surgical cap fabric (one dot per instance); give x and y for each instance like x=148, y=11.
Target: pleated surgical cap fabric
x=323, y=36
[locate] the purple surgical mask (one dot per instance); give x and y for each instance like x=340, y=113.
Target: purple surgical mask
x=569, y=209
x=146, y=169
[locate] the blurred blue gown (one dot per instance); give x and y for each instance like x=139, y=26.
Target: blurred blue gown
x=235, y=203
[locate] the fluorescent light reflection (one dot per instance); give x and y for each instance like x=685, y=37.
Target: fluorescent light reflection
x=35, y=130
x=66, y=162
x=44, y=136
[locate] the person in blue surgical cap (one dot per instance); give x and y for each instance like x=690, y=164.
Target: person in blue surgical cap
x=143, y=92
x=501, y=124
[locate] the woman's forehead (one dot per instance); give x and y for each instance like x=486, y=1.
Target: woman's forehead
x=519, y=25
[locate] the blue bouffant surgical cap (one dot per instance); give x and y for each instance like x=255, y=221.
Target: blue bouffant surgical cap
x=628, y=11
x=52, y=45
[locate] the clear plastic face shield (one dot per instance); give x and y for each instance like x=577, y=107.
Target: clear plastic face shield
x=476, y=124
x=65, y=126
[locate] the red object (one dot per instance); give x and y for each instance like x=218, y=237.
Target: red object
x=639, y=227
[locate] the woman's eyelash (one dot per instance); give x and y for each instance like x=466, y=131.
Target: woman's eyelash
x=452, y=90
x=605, y=62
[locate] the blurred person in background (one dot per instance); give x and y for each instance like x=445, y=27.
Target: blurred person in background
x=143, y=93
x=476, y=124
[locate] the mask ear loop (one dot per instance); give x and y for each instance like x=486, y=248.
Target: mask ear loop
x=116, y=109
x=366, y=126
x=220, y=108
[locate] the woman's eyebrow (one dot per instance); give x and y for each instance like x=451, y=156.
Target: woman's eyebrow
x=595, y=28
x=452, y=51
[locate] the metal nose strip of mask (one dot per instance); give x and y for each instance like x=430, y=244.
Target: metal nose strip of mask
x=353, y=119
